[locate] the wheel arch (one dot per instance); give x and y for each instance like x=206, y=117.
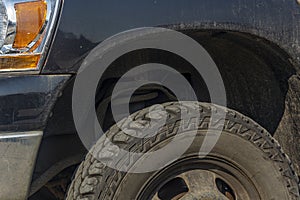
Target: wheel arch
x=267, y=57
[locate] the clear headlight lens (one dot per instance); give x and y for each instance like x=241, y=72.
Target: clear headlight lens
x=25, y=28
x=3, y=23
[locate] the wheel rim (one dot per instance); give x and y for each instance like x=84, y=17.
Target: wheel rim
x=192, y=178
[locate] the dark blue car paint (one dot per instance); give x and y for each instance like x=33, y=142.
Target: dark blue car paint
x=84, y=24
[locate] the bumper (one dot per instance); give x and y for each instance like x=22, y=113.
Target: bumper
x=25, y=106
x=18, y=154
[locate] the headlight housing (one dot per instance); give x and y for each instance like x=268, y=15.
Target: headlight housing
x=3, y=23
x=25, y=30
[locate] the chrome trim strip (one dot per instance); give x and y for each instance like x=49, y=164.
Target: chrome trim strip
x=51, y=26
x=18, y=153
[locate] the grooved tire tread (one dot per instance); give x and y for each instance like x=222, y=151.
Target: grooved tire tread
x=94, y=180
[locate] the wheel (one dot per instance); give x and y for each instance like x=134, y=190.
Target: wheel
x=245, y=164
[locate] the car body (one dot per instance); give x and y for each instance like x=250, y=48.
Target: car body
x=37, y=133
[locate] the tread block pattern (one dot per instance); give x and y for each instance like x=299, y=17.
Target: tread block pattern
x=94, y=180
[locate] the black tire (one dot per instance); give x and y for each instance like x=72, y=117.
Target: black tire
x=242, y=142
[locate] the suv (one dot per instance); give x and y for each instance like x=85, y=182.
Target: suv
x=154, y=99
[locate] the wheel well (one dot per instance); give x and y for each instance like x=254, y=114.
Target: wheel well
x=255, y=74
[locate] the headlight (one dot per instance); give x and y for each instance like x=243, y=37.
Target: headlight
x=3, y=23
x=25, y=30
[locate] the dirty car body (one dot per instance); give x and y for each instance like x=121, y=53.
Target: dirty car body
x=38, y=138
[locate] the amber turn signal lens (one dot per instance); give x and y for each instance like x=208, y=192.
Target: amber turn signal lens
x=31, y=16
x=19, y=62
